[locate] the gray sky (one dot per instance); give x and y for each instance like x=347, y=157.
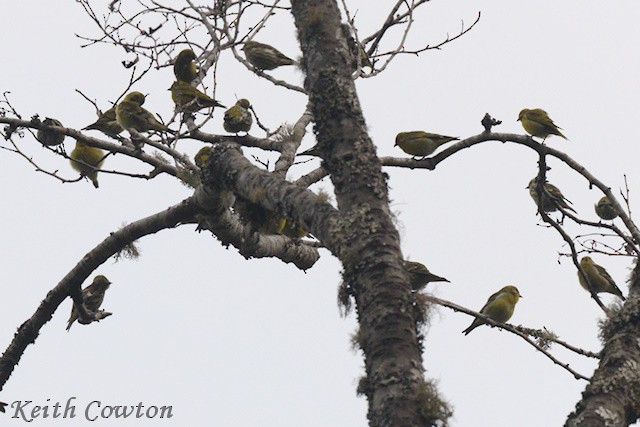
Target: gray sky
x=231, y=342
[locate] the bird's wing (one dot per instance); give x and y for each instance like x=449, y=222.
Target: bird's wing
x=604, y=274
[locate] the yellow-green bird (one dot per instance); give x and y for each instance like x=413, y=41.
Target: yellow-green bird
x=265, y=57
x=598, y=278
x=499, y=307
x=50, y=138
x=184, y=66
x=421, y=144
x=130, y=115
x=419, y=275
x=551, y=201
x=190, y=99
x=293, y=230
x=92, y=297
x=605, y=210
x=238, y=118
x=202, y=156
x=107, y=123
x=538, y=123
x=87, y=160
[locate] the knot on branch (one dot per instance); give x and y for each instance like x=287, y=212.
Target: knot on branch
x=488, y=122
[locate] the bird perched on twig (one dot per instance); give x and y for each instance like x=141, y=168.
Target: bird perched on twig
x=421, y=144
x=499, y=307
x=419, y=275
x=265, y=57
x=190, y=99
x=87, y=160
x=550, y=201
x=598, y=278
x=107, y=123
x=50, y=138
x=605, y=210
x=184, y=66
x=92, y=297
x=131, y=115
x=238, y=118
x=538, y=123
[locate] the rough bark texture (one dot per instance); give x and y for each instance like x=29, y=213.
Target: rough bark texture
x=612, y=398
x=364, y=237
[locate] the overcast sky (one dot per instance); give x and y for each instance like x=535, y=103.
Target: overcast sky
x=231, y=342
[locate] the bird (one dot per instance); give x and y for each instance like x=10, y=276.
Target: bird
x=421, y=144
x=238, y=118
x=419, y=275
x=48, y=137
x=605, y=210
x=538, y=123
x=92, y=297
x=499, y=307
x=131, y=115
x=265, y=57
x=87, y=160
x=202, y=155
x=190, y=99
x=184, y=66
x=598, y=278
x=292, y=230
x=107, y=123
x=550, y=201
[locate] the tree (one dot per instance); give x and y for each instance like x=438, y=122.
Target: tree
x=359, y=230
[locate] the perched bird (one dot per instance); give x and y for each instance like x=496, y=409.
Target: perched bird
x=92, y=297
x=188, y=98
x=551, y=201
x=238, y=118
x=50, y=137
x=184, y=66
x=598, y=278
x=419, y=275
x=87, y=160
x=107, y=123
x=499, y=307
x=421, y=144
x=538, y=123
x=265, y=57
x=131, y=115
x=293, y=230
x=202, y=155
x=605, y=210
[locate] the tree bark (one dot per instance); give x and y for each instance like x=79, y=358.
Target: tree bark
x=612, y=398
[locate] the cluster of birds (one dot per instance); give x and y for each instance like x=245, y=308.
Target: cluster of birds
x=536, y=122
x=129, y=113
x=500, y=306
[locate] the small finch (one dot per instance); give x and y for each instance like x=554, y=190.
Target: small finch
x=598, y=278
x=184, y=66
x=92, y=297
x=538, y=123
x=265, y=57
x=550, y=201
x=188, y=98
x=238, y=118
x=499, y=307
x=419, y=275
x=130, y=115
x=107, y=123
x=87, y=160
x=421, y=144
x=48, y=137
x=605, y=210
